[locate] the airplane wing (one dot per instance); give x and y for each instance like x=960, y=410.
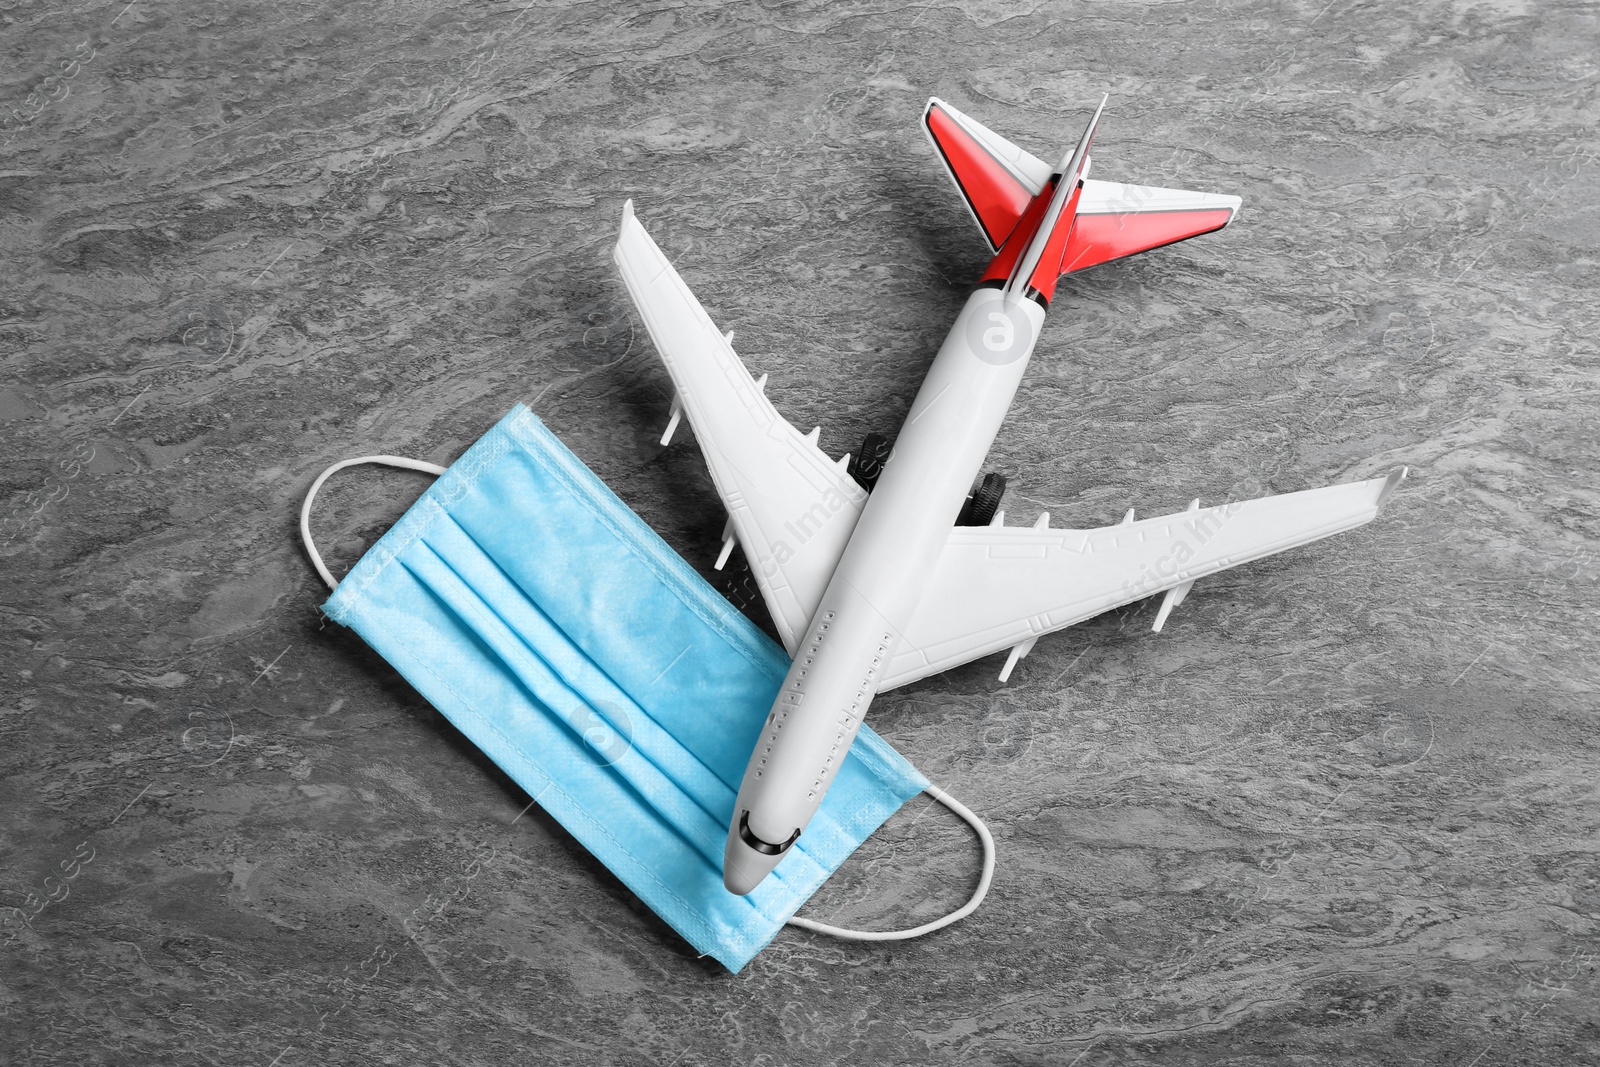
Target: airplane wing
x=790, y=506
x=998, y=587
x=1116, y=220
x=998, y=180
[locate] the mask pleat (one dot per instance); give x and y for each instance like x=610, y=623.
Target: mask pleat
x=531, y=626
x=647, y=779
x=620, y=594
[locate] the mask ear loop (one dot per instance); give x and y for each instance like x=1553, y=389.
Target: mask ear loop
x=311, y=494
x=927, y=928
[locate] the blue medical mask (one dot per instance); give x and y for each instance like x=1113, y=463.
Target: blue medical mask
x=565, y=639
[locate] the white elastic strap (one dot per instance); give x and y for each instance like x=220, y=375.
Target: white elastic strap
x=926, y=928
x=311, y=494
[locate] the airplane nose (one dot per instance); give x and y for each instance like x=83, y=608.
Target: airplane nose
x=735, y=878
x=748, y=859
x=743, y=868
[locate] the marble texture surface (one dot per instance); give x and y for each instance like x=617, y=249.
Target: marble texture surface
x=1342, y=810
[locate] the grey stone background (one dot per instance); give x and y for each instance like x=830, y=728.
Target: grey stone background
x=1343, y=810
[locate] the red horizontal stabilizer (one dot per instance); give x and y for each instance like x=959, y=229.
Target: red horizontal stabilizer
x=993, y=192
x=1099, y=238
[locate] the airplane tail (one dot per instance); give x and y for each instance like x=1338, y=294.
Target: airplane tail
x=1009, y=191
x=1039, y=267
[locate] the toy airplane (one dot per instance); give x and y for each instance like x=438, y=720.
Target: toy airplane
x=878, y=577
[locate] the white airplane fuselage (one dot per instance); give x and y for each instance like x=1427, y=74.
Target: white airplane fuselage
x=842, y=657
x=880, y=578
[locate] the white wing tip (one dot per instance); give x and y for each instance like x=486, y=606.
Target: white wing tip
x=1389, y=484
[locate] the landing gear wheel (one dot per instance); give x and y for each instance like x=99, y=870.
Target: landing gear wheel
x=867, y=464
x=984, y=501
